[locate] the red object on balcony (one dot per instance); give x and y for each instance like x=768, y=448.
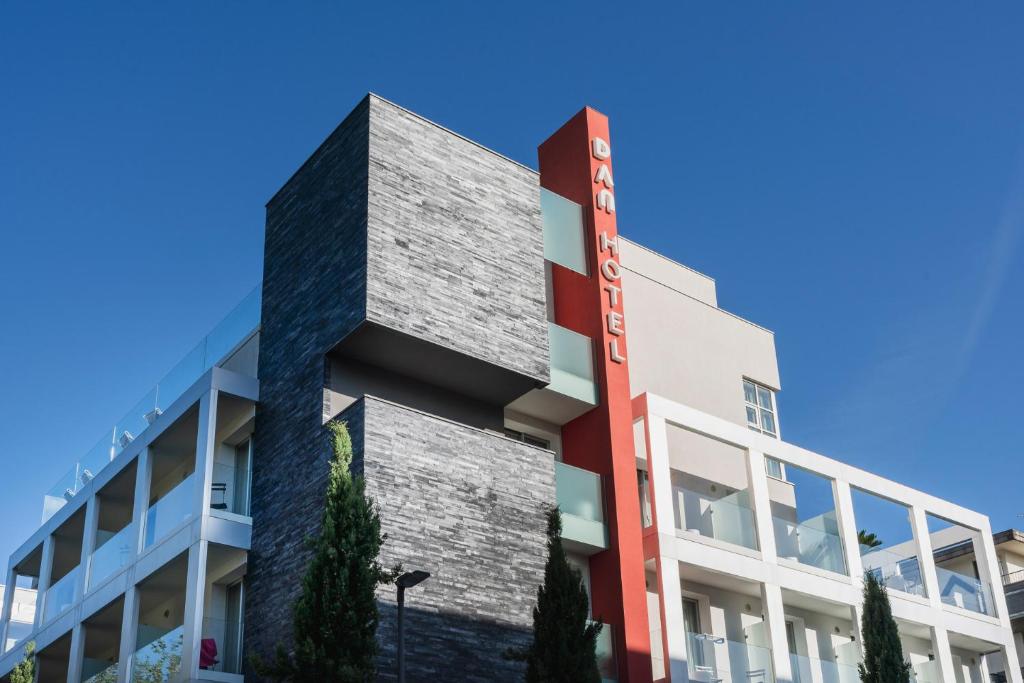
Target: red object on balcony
x=207, y=653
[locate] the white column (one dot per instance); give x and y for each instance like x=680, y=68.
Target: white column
x=943, y=655
x=195, y=597
x=775, y=616
x=659, y=470
x=143, y=468
x=1011, y=664
x=857, y=616
x=92, y=511
x=760, y=499
x=45, y=572
x=75, y=654
x=923, y=541
x=8, y=605
x=129, y=629
x=674, y=626
x=988, y=569
x=205, y=445
x=848, y=528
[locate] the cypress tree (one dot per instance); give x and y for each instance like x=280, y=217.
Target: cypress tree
x=564, y=642
x=883, y=653
x=335, y=618
x=25, y=670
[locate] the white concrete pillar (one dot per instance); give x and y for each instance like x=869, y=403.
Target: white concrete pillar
x=75, y=654
x=195, y=598
x=1011, y=663
x=206, y=444
x=92, y=511
x=129, y=629
x=857, y=616
x=674, y=626
x=943, y=654
x=775, y=616
x=990, y=574
x=925, y=557
x=8, y=605
x=143, y=468
x=659, y=470
x=761, y=502
x=848, y=528
x=45, y=572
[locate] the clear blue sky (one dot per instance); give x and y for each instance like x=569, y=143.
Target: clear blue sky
x=851, y=175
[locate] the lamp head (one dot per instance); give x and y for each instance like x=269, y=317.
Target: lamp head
x=410, y=579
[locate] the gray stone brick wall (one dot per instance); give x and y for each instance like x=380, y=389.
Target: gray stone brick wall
x=469, y=507
x=313, y=294
x=450, y=252
x=456, y=249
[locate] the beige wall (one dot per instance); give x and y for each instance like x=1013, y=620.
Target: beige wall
x=681, y=346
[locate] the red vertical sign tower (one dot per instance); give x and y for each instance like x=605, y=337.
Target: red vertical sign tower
x=575, y=162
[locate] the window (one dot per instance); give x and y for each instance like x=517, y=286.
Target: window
x=760, y=402
x=527, y=438
x=773, y=467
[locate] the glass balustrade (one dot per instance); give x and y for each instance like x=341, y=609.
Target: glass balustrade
x=159, y=657
x=61, y=595
x=169, y=512
x=714, y=659
x=605, y=651
x=926, y=672
x=965, y=592
x=98, y=671
x=895, y=571
x=729, y=519
x=238, y=325
x=809, y=544
x=564, y=241
x=115, y=552
x=572, y=364
x=578, y=493
x=813, y=670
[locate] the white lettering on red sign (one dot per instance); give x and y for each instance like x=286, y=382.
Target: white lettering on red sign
x=604, y=200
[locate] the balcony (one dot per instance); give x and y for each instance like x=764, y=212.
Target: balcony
x=894, y=570
x=814, y=543
x=579, y=498
x=573, y=388
x=965, y=592
x=715, y=659
x=729, y=519
x=564, y=240
x=812, y=669
x=230, y=344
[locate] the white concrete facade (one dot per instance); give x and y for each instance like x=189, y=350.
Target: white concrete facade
x=177, y=553
x=675, y=553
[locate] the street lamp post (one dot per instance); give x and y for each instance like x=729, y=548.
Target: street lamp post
x=407, y=580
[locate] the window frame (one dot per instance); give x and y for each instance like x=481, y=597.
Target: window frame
x=758, y=424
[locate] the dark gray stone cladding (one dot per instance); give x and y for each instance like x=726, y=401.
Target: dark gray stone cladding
x=469, y=507
x=314, y=280
x=456, y=250
x=462, y=503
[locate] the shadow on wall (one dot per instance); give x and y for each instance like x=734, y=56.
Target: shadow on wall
x=443, y=646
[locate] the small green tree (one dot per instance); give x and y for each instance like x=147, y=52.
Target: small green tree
x=564, y=640
x=868, y=539
x=335, y=618
x=25, y=670
x=883, y=653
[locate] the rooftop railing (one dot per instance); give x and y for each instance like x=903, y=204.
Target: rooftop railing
x=236, y=327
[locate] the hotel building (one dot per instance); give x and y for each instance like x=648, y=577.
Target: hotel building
x=495, y=348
